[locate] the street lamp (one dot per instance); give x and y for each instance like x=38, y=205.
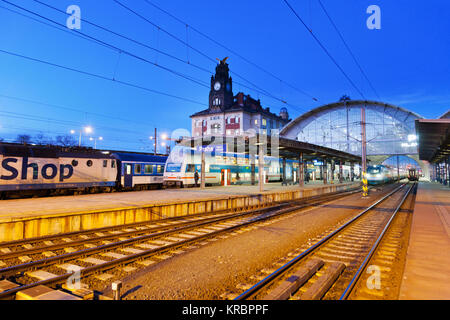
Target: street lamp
x=95, y=140
x=87, y=130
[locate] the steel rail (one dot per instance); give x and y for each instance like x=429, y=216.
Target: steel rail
x=281, y=270
x=141, y=223
x=361, y=268
x=213, y=219
x=133, y=257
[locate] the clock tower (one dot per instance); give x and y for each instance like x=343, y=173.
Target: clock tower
x=221, y=93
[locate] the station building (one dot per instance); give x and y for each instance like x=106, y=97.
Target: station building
x=234, y=115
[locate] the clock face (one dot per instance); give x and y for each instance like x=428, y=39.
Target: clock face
x=217, y=86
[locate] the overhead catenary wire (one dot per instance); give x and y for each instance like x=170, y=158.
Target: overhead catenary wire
x=128, y=120
x=104, y=77
x=348, y=49
x=325, y=50
x=204, y=84
x=192, y=48
x=231, y=51
x=96, y=40
x=99, y=76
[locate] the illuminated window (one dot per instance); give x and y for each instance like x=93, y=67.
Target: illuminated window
x=137, y=168
x=148, y=168
x=264, y=122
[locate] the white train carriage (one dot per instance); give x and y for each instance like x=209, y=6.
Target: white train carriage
x=221, y=168
x=26, y=168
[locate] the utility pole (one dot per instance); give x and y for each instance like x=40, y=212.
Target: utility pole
x=202, y=169
x=156, y=140
x=261, y=167
x=301, y=171
x=364, y=151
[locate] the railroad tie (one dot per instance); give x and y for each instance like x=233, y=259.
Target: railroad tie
x=324, y=283
x=5, y=250
x=285, y=289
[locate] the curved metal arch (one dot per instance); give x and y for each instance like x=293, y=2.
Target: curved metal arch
x=292, y=129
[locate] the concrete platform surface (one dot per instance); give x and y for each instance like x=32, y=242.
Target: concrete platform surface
x=427, y=268
x=13, y=209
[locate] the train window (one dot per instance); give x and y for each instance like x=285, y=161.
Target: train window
x=105, y=163
x=74, y=163
x=137, y=168
x=89, y=163
x=113, y=163
x=190, y=168
x=160, y=169
x=148, y=168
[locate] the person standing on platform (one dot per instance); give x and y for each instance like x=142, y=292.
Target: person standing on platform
x=196, y=178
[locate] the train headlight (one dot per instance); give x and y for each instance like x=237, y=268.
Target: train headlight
x=378, y=176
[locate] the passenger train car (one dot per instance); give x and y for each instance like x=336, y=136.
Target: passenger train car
x=221, y=168
x=46, y=170
x=140, y=171
x=379, y=174
x=413, y=175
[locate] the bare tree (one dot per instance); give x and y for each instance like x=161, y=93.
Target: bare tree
x=66, y=141
x=41, y=139
x=23, y=138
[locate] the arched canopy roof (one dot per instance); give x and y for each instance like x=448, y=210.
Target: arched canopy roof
x=338, y=126
x=398, y=113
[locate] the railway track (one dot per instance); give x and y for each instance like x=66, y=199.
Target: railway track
x=335, y=264
x=51, y=261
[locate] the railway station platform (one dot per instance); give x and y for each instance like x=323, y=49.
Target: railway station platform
x=36, y=217
x=427, y=269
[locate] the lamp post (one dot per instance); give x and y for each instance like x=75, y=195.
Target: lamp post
x=95, y=140
x=164, y=144
x=87, y=130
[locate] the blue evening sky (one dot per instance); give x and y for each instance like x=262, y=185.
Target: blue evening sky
x=407, y=61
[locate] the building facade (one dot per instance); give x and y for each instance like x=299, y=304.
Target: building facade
x=234, y=115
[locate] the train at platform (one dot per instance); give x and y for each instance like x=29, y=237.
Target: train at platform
x=413, y=174
x=221, y=168
x=380, y=174
x=52, y=170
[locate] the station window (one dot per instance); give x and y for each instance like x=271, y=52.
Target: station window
x=137, y=168
x=105, y=163
x=264, y=122
x=148, y=168
x=113, y=163
x=256, y=121
x=89, y=163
